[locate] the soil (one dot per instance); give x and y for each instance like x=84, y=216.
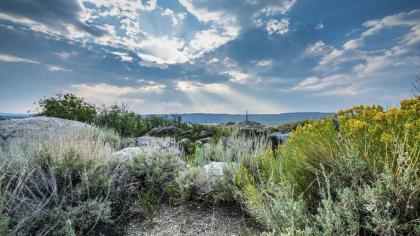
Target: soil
x=195, y=219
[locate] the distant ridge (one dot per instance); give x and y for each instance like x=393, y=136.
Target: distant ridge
x=213, y=118
x=267, y=119
x=7, y=116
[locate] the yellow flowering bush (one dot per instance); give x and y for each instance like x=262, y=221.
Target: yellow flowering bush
x=375, y=132
x=356, y=173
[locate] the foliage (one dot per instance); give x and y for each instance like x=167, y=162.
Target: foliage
x=157, y=172
x=117, y=118
x=194, y=184
x=358, y=173
x=288, y=127
x=69, y=186
x=67, y=106
x=359, y=178
x=233, y=148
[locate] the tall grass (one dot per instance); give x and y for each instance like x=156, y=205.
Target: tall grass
x=67, y=185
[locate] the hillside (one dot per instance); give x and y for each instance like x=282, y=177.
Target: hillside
x=267, y=119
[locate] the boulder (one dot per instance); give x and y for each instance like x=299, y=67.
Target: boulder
x=33, y=130
x=204, y=140
x=277, y=139
x=128, y=142
x=185, y=142
x=251, y=128
x=215, y=168
x=154, y=144
x=186, y=134
x=128, y=152
x=163, y=131
x=205, y=134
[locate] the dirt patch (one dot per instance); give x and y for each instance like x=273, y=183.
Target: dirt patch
x=194, y=219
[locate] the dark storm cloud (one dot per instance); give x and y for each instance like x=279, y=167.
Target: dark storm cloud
x=53, y=13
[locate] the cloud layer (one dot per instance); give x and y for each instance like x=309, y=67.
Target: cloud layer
x=209, y=56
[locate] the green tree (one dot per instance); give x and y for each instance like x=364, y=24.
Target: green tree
x=67, y=106
x=119, y=118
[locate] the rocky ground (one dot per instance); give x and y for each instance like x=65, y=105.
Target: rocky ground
x=194, y=219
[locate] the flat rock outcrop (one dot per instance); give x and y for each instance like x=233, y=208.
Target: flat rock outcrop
x=154, y=144
x=33, y=130
x=251, y=128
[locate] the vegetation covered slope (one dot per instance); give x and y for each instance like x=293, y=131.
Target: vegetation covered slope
x=361, y=177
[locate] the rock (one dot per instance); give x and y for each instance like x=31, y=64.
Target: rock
x=204, y=140
x=205, y=134
x=154, y=144
x=185, y=142
x=128, y=152
x=163, y=131
x=277, y=139
x=251, y=128
x=215, y=168
x=186, y=134
x=128, y=142
x=33, y=130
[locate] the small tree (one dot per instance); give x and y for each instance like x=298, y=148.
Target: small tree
x=67, y=106
x=119, y=118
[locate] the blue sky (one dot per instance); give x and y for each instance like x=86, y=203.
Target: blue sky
x=218, y=56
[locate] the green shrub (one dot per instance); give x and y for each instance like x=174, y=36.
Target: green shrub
x=67, y=106
x=236, y=148
x=194, y=184
x=69, y=186
x=362, y=178
x=157, y=173
x=126, y=123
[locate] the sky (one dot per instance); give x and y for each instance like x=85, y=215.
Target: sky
x=212, y=56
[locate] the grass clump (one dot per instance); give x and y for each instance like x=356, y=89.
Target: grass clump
x=68, y=186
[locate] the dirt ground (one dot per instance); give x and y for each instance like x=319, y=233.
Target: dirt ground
x=194, y=219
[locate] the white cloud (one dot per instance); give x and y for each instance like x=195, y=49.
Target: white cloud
x=265, y=63
x=317, y=49
x=308, y=81
x=202, y=14
x=149, y=5
x=10, y=58
x=123, y=56
x=176, y=19
x=238, y=76
x=405, y=19
x=89, y=90
x=207, y=40
x=113, y=94
x=164, y=50
x=275, y=26
x=281, y=8
x=231, y=69
x=319, y=26
x=368, y=62
x=125, y=32
x=339, y=84
x=152, y=64
x=64, y=55
x=223, y=98
x=57, y=68
x=352, y=44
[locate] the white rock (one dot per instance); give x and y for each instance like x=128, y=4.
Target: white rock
x=128, y=152
x=154, y=144
x=32, y=130
x=215, y=168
